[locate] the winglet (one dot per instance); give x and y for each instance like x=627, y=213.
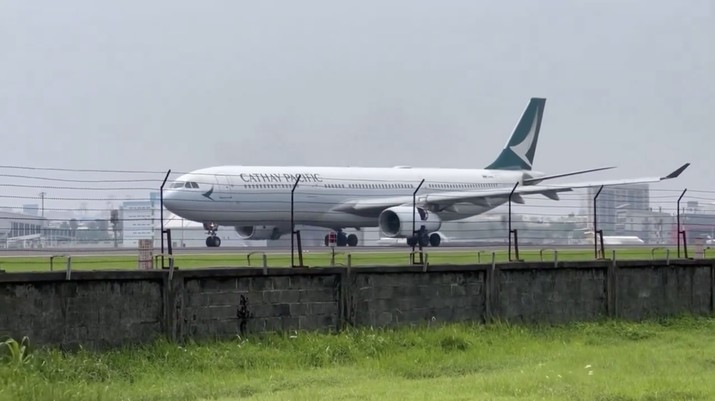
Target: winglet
x=677, y=172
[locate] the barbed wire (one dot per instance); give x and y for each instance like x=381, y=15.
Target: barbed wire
x=538, y=219
x=396, y=190
x=282, y=196
x=411, y=174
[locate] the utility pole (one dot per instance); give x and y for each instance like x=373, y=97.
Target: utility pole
x=114, y=219
x=42, y=197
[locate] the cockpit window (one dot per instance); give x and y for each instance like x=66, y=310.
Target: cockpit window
x=184, y=184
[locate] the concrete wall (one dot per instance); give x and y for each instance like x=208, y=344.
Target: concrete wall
x=389, y=297
x=649, y=291
x=224, y=304
x=574, y=292
x=110, y=308
x=92, y=310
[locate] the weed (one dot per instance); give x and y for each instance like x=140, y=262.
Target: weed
x=603, y=361
x=16, y=354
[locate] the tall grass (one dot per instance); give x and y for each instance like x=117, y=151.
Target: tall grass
x=670, y=359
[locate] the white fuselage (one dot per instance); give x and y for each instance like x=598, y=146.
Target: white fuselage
x=244, y=196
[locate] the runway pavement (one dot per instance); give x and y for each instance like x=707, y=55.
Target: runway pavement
x=94, y=251
x=212, y=251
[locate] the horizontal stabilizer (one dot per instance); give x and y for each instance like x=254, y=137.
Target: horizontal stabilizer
x=553, y=195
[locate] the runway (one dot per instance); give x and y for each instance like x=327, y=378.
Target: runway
x=105, y=251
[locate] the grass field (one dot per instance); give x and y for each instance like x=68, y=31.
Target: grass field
x=609, y=361
x=315, y=259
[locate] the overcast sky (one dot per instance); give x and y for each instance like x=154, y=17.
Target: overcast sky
x=183, y=85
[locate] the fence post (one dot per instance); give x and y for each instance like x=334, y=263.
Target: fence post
x=595, y=225
x=300, y=249
x=169, y=248
x=510, y=230
x=68, y=272
x=611, y=287
x=491, y=296
x=161, y=214
x=415, y=239
x=292, y=222
x=679, y=231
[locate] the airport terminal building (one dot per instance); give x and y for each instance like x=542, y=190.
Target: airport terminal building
x=18, y=230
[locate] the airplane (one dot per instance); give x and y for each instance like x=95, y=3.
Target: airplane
x=256, y=200
x=613, y=239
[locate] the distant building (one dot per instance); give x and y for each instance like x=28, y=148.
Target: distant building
x=652, y=227
x=697, y=219
x=614, y=200
x=139, y=220
x=31, y=209
x=18, y=230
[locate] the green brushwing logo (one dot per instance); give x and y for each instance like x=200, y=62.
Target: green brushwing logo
x=208, y=193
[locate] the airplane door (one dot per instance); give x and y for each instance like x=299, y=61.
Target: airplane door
x=224, y=187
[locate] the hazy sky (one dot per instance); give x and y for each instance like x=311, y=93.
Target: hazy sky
x=184, y=85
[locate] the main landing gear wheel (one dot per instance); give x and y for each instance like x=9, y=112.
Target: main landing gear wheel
x=413, y=241
x=435, y=239
x=213, y=242
x=352, y=240
x=424, y=240
x=343, y=240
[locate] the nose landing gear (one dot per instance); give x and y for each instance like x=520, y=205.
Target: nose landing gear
x=212, y=241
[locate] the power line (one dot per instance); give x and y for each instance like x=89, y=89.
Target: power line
x=34, y=177
x=81, y=188
x=78, y=170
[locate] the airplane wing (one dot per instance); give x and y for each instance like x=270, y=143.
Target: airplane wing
x=445, y=200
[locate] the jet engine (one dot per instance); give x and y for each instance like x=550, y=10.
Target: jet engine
x=397, y=221
x=258, y=232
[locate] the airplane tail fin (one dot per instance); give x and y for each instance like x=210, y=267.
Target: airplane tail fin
x=518, y=154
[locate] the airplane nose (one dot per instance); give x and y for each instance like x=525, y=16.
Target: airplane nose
x=169, y=199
